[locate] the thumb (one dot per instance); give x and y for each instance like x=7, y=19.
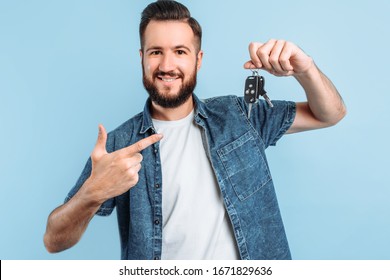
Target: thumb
x=250, y=65
x=100, y=146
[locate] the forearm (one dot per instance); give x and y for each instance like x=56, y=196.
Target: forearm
x=67, y=223
x=324, y=101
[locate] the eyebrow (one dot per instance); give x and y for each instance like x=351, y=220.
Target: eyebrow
x=174, y=48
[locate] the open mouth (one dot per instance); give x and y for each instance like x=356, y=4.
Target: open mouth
x=167, y=79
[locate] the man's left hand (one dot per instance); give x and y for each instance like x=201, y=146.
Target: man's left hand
x=278, y=57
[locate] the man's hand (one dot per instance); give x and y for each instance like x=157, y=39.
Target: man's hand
x=115, y=173
x=112, y=174
x=324, y=106
x=278, y=57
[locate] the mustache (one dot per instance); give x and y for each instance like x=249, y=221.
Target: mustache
x=172, y=74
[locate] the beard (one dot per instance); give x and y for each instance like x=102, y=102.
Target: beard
x=167, y=100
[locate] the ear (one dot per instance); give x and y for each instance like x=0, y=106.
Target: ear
x=140, y=55
x=199, y=60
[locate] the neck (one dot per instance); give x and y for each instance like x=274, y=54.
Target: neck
x=172, y=114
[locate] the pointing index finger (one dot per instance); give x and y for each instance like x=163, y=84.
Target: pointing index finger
x=143, y=144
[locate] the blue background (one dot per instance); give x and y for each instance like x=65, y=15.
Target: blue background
x=66, y=66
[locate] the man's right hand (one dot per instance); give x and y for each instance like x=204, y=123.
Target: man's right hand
x=115, y=173
x=112, y=174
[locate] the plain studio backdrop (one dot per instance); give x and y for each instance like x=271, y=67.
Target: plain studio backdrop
x=66, y=66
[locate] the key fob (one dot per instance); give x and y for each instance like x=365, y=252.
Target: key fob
x=251, y=92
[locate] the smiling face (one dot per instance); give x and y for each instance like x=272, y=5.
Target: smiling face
x=170, y=62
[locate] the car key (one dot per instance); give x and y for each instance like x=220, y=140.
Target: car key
x=251, y=92
x=254, y=87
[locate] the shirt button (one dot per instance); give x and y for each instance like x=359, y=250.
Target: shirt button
x=156, y=258
x=156, y=222
x=157, y=186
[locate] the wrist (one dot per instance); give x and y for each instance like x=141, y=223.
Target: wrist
x=311, y=72
x=89, y=195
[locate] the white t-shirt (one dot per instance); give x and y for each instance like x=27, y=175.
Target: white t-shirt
x=195, y=223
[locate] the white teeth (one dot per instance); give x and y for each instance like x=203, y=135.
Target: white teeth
x=167, y=80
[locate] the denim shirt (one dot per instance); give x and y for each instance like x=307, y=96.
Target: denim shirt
x=235, y=147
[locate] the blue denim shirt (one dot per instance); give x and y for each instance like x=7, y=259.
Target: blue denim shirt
x=236, y=147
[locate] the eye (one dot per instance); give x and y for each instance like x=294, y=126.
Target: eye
x=180, y=52
x=155, y=52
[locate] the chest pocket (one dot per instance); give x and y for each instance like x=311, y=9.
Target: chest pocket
x=245, y=165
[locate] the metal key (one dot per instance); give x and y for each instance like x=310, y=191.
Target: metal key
x=254, y=87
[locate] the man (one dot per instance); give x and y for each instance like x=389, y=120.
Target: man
x=204, y=190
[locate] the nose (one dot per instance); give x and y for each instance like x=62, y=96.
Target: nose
x=167, y=63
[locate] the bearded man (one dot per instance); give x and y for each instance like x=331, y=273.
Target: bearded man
x=189, y=178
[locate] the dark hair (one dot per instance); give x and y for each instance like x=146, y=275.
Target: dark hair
x=165, y=10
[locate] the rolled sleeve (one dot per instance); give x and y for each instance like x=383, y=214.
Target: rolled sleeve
x=272, y=123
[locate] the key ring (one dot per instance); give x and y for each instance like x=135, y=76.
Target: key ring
x=255, y=72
